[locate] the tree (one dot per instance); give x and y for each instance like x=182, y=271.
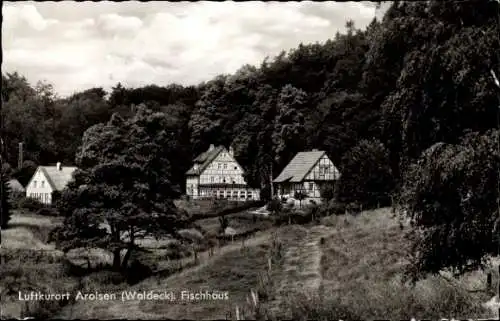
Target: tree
x=24, y=174
x=5, y=206
x=122, y=183
x=366, y=174
x=288, y=135
x=451, y=196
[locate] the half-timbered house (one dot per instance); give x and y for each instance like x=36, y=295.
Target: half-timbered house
x=307, y=172
x=216, y=174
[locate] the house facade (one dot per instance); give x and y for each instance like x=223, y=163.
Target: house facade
x=216, y=174
x=48, y=179
x=307, y=172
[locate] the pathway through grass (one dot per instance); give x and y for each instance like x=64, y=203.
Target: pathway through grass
x=301, y=270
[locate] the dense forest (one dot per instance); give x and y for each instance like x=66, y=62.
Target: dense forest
x=376, y=100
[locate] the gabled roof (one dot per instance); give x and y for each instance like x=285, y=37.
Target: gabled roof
x=299, y=167
x=204, y=159
x=57, y=178
x=15, y=186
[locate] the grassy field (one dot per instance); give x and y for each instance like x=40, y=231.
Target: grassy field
x=362, y=263
x=346, y=267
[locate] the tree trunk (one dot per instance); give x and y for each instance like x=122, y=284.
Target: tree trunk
x=271, y=180
x=129, y=249
x=116, y=252
x=116, y=260
x=126, y=258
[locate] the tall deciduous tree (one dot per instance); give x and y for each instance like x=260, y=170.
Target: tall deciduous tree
x=124, y=182
x=451, y=195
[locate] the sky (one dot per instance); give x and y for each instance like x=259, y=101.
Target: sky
x=81, y=45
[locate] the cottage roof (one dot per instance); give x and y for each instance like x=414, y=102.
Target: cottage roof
x=299, y=167
x=15, y=186
x=204, y=159
x=58, y=178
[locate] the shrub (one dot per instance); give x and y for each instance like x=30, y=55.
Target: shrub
x=30, y=204
x=337, y=208
x=48, y=211
x=327, y=192
x=137, y=272
x=274, y=206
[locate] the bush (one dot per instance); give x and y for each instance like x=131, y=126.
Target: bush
x=274, y=206
x=337, y=208
x=137, y=272
x=29, y=204
x=48, y=211
x=327, y=192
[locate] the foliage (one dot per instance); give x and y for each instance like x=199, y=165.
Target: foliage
x=366, y=174
x=327, y=192
x=48, y=211
x=25, y=173
x=5, y=206
x=30, y=204
x=451, y=195
x=122, y=181
x=274, y=206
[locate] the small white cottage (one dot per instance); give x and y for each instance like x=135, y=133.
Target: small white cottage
x=48, y=179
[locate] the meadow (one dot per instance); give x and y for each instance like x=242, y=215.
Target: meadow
x=345, y=266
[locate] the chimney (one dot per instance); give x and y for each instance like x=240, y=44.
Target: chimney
x=231, y=151
x=58, y=166
x=315, y=150
x=20, y=157
x=211, y=147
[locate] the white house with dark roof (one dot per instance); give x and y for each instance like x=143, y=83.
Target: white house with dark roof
x=48, y=179
x=216, y=174
x=307, y=172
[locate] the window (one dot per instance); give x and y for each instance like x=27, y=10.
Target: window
x=219, y=166
x=235, y=167
x=225, y=166
x=34, y=184
x=223, y=180
x=211, y=179
x=311, y=187
x=42, y=184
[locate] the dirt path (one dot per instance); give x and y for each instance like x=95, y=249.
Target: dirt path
x=301, y=269
x=131, y=309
